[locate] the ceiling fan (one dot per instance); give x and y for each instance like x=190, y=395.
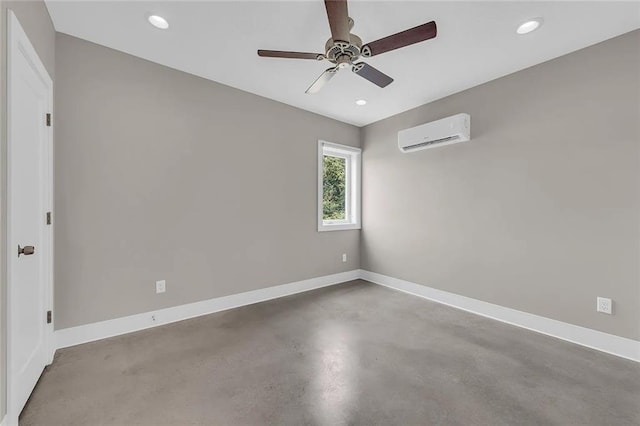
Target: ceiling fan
x=343, y=49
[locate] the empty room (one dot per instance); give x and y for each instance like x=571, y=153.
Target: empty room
x=319, y=212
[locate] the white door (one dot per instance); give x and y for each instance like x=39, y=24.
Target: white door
x=29, y=238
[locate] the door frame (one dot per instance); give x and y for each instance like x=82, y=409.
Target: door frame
x=18, y=44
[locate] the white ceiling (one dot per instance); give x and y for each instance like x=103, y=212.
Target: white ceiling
x=476, y=43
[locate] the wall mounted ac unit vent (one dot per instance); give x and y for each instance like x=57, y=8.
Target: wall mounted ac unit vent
x=446, y=131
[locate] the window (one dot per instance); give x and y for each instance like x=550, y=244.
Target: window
x=338, y=187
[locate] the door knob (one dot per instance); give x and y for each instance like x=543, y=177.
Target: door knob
x=26, y=250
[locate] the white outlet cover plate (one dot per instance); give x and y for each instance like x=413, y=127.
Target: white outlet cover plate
x=161, y=286
x=604, y=305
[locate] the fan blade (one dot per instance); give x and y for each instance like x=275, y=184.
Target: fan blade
x=338, y=19
x=291, y=55
x=405, y=38
x=368, y=72
x=322, y=80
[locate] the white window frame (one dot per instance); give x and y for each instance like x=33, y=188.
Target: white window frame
x=353, y=186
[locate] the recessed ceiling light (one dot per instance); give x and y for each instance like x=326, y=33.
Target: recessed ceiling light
x=361, y=102
x=158, y=22
x=531, y=25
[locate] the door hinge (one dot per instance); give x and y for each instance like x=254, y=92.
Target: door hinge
x=48, y=317
x=48, y=119
x=48, y=218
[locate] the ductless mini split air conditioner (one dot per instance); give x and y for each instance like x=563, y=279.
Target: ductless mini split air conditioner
x=446, y=131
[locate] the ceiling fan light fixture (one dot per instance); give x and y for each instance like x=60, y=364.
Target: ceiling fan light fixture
x=529, y=26
x=158, y=22
x=361, y=102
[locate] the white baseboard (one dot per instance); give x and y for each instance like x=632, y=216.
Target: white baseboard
x=8, y=421
x=101, y=330
x=615, y=345
x=609, y=343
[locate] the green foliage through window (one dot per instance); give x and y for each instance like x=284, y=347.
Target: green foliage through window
x=334, y=172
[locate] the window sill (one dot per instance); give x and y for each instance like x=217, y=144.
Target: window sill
x=338, y=227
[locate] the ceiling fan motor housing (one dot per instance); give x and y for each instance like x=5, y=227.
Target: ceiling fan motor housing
x=340, y=52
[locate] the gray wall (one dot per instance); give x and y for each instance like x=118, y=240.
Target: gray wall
x=34, y=18
x=540, y=211
x=163, y=175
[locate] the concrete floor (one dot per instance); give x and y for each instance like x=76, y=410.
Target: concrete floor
x=356, y=353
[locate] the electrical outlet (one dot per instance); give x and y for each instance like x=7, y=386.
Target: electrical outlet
x=344, y=257
x=604, y=305
x=161, y=286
